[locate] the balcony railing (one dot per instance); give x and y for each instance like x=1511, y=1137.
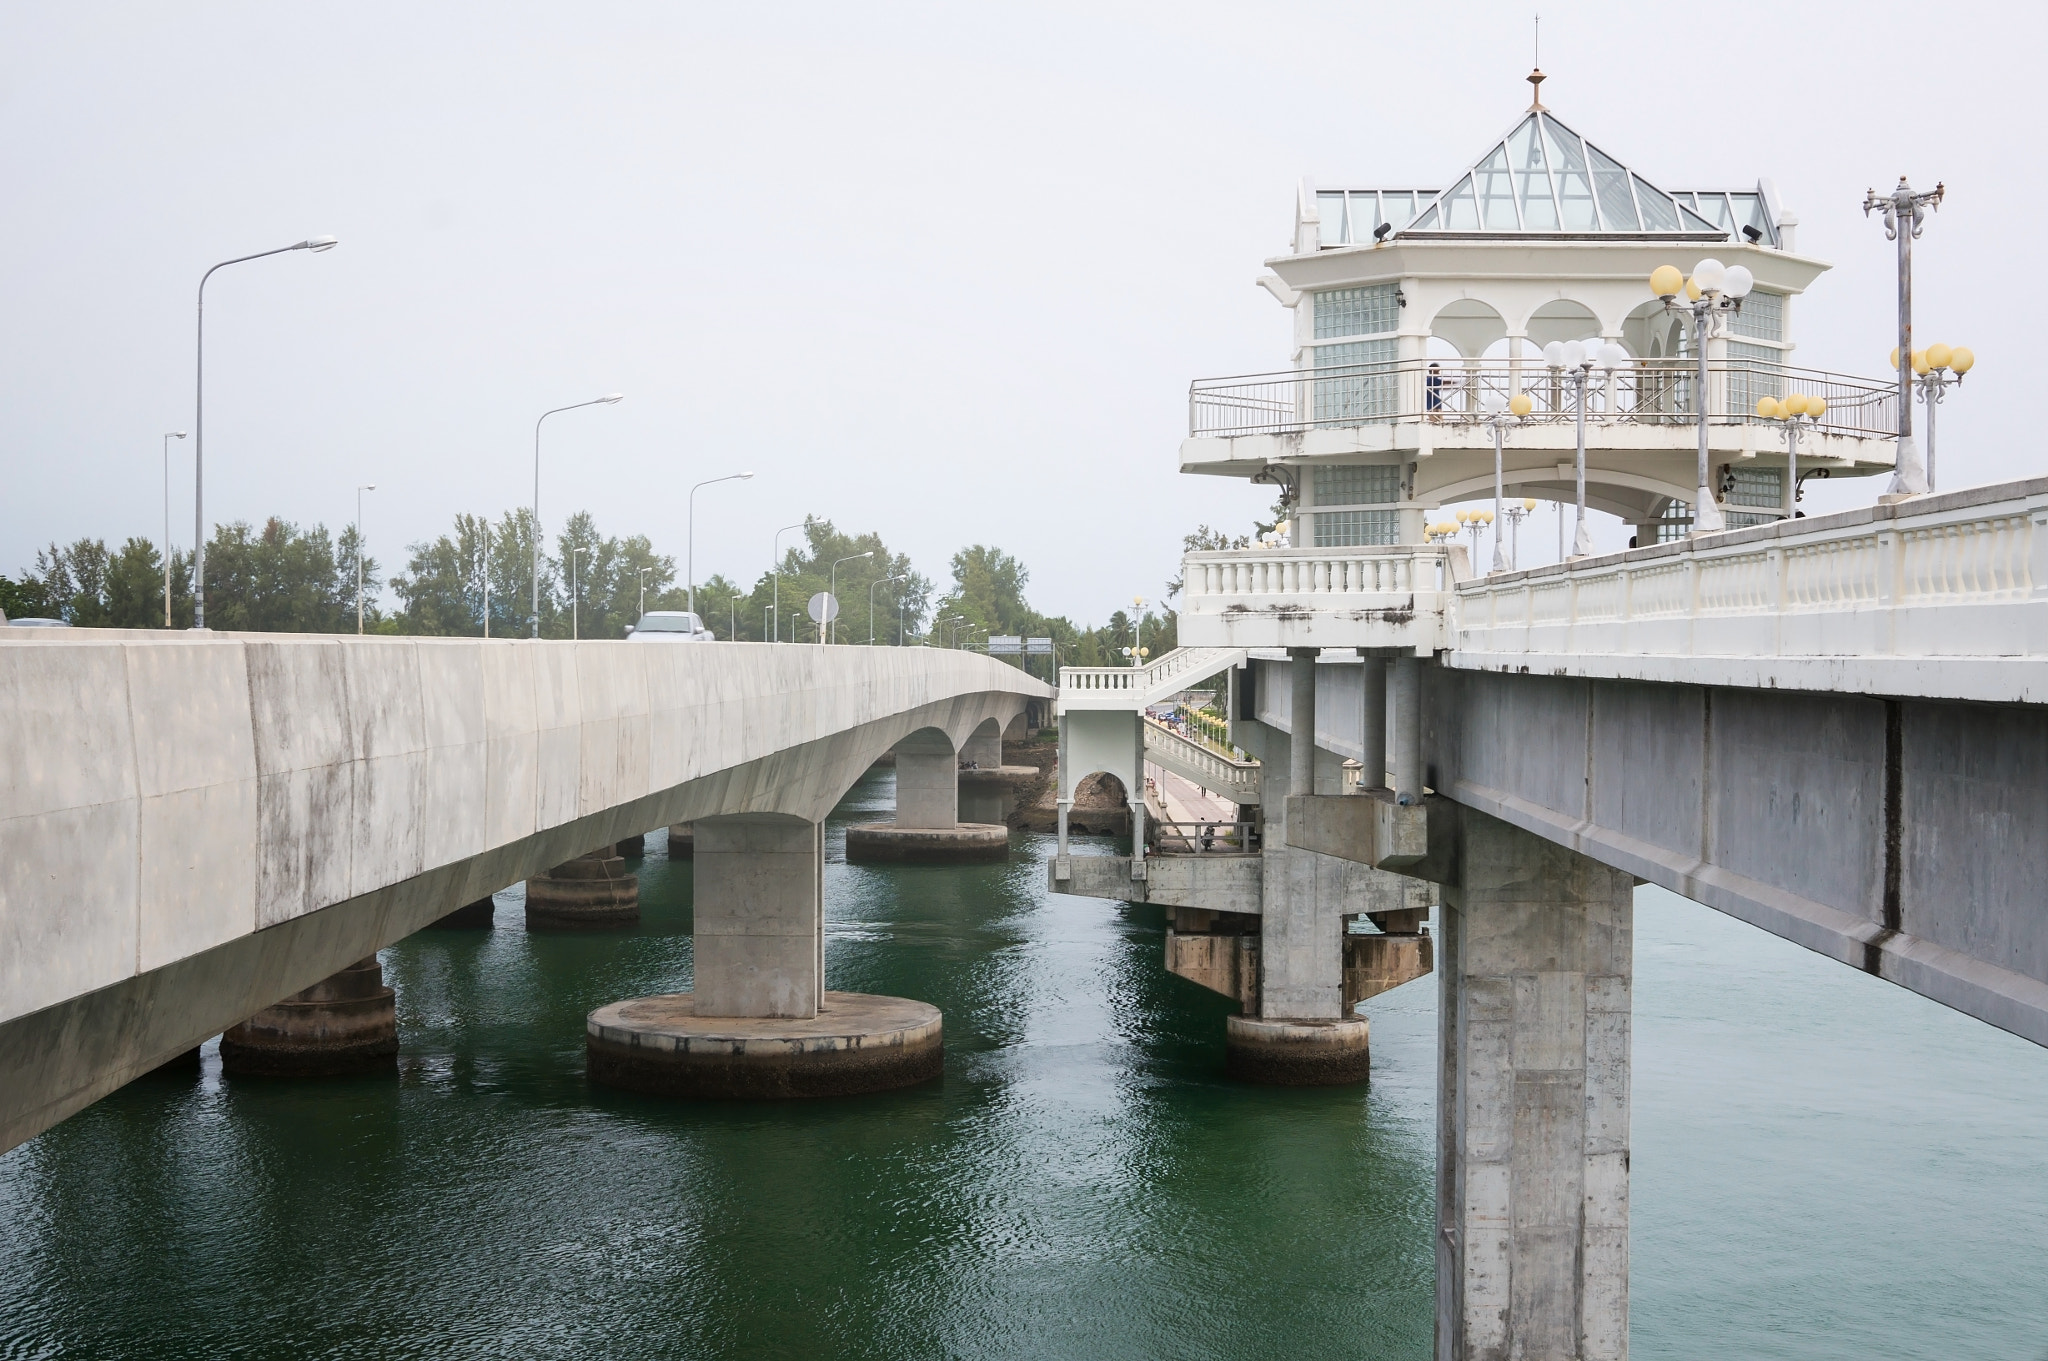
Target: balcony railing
x=1645, y=392
x=1393, y=595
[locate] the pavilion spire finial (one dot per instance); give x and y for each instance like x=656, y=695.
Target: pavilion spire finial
x=1536, y=79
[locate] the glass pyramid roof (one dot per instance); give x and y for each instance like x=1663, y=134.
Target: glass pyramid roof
x=1543, y=179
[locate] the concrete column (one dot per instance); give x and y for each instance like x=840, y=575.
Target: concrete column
x=1301, y=746
x=984, y=749
x=758, y=902
x=345, y=1023
x=1372, y=723
x=591, y=892
x=927, y=782
x=1532, y=1115
x=680, y=843
x=1408, y=730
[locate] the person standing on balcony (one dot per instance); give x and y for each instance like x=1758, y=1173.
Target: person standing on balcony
x=1433, y=391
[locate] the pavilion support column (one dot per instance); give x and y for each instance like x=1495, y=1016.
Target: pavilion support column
x=1534, y=969
x=758, y=1021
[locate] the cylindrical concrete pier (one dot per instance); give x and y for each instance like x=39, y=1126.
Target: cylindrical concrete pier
x=682, y=841
x=346, y=1023
x=591, y=892
x=481, y=913
x=883, y=843
x=1304, y=1053
x=856, y=1043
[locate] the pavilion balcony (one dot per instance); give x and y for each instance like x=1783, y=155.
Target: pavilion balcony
x=1388, y=596
x=1455, y=396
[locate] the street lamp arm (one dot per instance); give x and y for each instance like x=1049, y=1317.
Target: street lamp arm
x=609, y=399
x=690, y=541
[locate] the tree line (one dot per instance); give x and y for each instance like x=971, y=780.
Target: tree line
x=286, y=579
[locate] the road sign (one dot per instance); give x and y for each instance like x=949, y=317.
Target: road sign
x=824, y=608
x=1038, y=647
x=999, y=643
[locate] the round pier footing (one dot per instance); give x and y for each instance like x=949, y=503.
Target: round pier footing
x=884, y=843
x=1007, y=779
x=346, y=1023
x=1297, y=1053
x=856, y=1043
x=682, y=841
x=589, y=893
x=481, y=913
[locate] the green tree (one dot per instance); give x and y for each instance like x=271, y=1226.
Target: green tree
x=88, y=586
x=807, y=570
x=279, y=579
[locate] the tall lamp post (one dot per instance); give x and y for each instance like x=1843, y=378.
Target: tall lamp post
x=834, y=625
x=1789, y=410
x=608, y=399
x=485, y=573
x=575, y=594
x=367, y=486
x=1714, y=290
x=1905, y=216
x=1578, y=363
x=1938, y=367
x=884, y=581
x=690, y=543
x=643, y=571
x=1517, y=511
x=316, y=244
x=732, y=621
x=775, y=570
x=168, y=437
x=1502, y=416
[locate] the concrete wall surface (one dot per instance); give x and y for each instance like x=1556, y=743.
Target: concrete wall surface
x=256, y=811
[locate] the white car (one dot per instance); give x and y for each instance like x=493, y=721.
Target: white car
x=669, y=626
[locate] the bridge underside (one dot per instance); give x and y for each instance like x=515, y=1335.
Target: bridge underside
x=1904, y=837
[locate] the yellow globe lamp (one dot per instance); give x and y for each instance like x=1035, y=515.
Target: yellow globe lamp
x=1692, y=291
x=1486, y=517
x=1938, y=356
x=1522, y=403
x=1769, y=409
x=1797, y=404
x=1816, y=407
x=1528, y=503
x=1961, y=359
x=1665, y=281
x=1919, y=361
x=1893, y=362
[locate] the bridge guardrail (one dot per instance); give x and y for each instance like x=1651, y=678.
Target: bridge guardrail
x=1390, y=595
x=1134, y=687
x=1237, y=781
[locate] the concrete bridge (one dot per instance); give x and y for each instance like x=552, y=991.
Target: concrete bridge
x=194, y=827
x=1832, y=728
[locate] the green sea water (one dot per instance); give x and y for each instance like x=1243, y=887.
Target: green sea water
x=1824, y=1165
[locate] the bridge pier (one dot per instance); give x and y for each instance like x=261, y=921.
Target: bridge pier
x=682, y=844
x=632, y=847
x=345, y=1023
x=481, y=913
x=591, y=892
x=927, y=829
x=758, y=1021
x=1533, y=1100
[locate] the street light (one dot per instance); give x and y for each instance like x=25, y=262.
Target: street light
x=1578, y=363
x=1500, y=417
x=1937, y=368
x=690, y=543
x=1473, y=520
x=485, y=573
x=315, y=244
x=1517, y=511
x=834, y=622
x=575, y=594
x=1905, y=216
x=367, y=486
x=899, y=608
x=168, y=437
x=732, y=622
x=643, y=571
x=775, y=570
x=1713, y=290
x=1789, y=410
x=608, y=400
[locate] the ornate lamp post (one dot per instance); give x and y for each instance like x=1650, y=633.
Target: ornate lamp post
x=1517, y=511
x=1714, y=290
x=1790, y=410
x=1473, y=520
x=1936, y=368
x=1578, y=362
x=1500, y=417
x=1905, y=214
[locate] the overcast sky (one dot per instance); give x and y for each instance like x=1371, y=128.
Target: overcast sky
x=940, y=272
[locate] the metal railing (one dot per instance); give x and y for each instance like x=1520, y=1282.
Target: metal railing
x=1455, y=392
x=1183, y=663
x=1216, y=837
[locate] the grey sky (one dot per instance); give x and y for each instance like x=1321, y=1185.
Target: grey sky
x=943, y=272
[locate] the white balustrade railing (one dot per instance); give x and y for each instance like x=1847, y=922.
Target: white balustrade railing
x=1961, y=577
x=1134, y=687
x=1237, y=781
x=1392, y=595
